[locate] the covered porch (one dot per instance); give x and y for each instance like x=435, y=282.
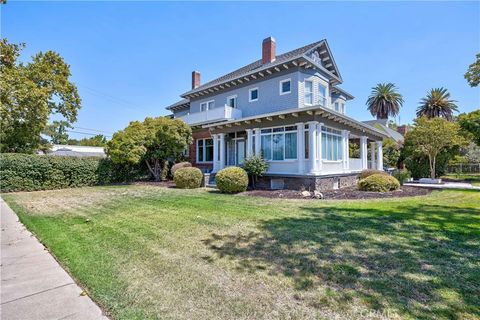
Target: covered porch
x=299, y=142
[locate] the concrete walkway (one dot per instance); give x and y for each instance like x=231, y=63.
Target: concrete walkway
x=446, y=185
x=33, y=285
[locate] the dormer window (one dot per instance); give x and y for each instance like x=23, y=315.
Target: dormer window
x=232, y=101
x=253, y=95
x=285, y=86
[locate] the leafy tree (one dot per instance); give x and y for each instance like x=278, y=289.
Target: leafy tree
x=57, y=131
x=255, y=166
x=473, y=73
x=29, y=94
x=384, y=101
x=152, y=141
x=391, y=152
x=437, y=103
x=98, y=140
x=432, y=137
x=470, y=125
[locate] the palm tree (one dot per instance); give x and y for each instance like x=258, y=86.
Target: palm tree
x=437, y=103
x=384, y=101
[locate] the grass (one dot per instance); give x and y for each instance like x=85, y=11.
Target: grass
x=145, y=252
x=473, y=178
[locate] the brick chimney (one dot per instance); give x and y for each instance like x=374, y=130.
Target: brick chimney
x=195, y=79
x=402, y=129
x=268, y=50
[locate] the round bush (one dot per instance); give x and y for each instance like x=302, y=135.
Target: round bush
x=232, y=180
x=179, y=165
x=379, y=183
x=369, y=172
x=188, y=178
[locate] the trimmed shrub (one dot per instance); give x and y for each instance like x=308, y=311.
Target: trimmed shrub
x=232, y=180
x=379, y=183
x=188, y=178
x=179, y=165
x=255, y=166
x=31, y=172
x=402, y=176
x=369, y=172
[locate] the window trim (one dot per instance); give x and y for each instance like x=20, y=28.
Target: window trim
x=204, y=152
x=235, y=96
x=305, y=93
x=250, y=94
x=281, y=86
x=271, y=133
x=206, y=103
x=339, y=134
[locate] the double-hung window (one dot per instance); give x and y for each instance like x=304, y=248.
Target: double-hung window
x=204, y=150
x=204, y=106
x=322, y=95
x=332, y=144
x=279, y=143
x=232, y=101
x=253, y=95
x=308, y=92
x=285, y=86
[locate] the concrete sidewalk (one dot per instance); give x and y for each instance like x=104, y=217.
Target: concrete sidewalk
x=33, y=285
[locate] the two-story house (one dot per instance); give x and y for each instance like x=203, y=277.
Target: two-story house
x=289, y=109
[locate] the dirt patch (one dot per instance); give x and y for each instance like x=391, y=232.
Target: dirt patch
x=165, y=184
x=341, y=194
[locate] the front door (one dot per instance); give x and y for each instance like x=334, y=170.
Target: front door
x=240, y=152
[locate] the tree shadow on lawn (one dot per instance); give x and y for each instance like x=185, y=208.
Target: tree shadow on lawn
x=422, y=260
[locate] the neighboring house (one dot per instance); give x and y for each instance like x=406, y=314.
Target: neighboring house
x=76, y=151
x=288, y=108
x=382, y=124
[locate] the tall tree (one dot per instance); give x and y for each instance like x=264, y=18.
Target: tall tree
x=470, y=125
x=98, y=140
x=384, y=101
x=153, y=141
x=437, y=103
x=57, y=131
x=30, y=93
x=473, y=73
x=431, y=137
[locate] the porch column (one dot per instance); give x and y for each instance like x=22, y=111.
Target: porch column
x=301, y=147
x=222, y=151
x=379, y=155
x=312, y=144
x=215, y=152
x=372, y=154
x=249, y=142
x=346, y=150
x=258, y=142
x=319, y=147
x=363, y=152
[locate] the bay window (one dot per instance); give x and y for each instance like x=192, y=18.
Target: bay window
x=204, y=150
x=322, y=95
x=279, y=143
x=332, y=144
x=308, y=92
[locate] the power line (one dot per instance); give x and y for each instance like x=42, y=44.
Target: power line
x=95, y=130
x=126, y=104
x=86, y=133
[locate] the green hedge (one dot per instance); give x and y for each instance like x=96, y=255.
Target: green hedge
x=30, y=172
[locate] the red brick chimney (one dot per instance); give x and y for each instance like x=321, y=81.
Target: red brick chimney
x=268, y=50
x=195, y=79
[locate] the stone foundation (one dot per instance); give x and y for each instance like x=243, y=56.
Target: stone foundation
x=310, y=183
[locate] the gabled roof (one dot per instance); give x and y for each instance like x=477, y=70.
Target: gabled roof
x=323, y=60
x=381, y=124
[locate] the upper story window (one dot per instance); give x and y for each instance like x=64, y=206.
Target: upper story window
x=232, y=101
x=322, y=95
x=340, y=107
x=253, y=94
x=204, y=106
x=285, y=86
x=308, y=91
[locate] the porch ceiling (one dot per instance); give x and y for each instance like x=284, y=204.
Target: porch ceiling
x=290, y=116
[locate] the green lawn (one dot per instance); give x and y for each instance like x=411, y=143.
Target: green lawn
x=150, y=252
x=473, y=178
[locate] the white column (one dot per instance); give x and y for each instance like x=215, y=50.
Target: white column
x=249, y=142
x=363, y=152
x=346, y=150
x=319, y=147
x=221, y=165
x=379, y=155
x=215, y=152
x=258, y=142
x=372, y=154
x=312, y=144
x=301, y=147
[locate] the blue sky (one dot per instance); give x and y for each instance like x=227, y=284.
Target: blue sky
x=131, y=59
